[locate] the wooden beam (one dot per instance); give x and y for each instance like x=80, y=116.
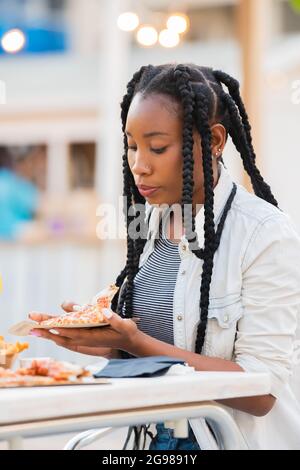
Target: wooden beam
x=254, y=33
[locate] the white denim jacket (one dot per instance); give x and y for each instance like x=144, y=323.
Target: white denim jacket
x=253, y=309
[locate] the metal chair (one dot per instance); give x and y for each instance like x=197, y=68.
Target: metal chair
x=86, y=438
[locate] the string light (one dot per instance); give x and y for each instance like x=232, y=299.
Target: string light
x=128, y=21
x=169, y=38
x=13, y=41
x=147, y=35
x=178, y=22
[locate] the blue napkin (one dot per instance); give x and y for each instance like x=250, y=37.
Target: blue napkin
x=151, y=366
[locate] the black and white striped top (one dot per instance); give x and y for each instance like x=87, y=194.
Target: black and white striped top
x=153, y=291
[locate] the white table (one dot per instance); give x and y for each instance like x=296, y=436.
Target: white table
x=43, y=411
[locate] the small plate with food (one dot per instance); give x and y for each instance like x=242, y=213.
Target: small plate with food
x=9, y=352
x=42, y=372
x=87, y=316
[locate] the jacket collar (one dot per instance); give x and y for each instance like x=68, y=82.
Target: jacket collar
x=222, y=191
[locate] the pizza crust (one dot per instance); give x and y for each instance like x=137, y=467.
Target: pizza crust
x=90, y=316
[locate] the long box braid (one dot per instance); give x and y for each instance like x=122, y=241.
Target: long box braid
x=200, y=92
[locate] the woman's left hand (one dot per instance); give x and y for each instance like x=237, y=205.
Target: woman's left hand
x=120, y=334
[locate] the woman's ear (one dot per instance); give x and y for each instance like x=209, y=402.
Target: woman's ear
x=218, y=138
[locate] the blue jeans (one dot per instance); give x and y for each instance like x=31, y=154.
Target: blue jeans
x=165, y=440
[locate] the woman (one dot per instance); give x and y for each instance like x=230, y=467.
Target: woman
x=223, y=292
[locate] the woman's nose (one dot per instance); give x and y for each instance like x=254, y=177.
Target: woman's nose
x=141, y=166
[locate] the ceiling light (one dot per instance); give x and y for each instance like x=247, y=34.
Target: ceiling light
x=178, y=22
x=147, y=35
x=168, y=38
x=128, y=21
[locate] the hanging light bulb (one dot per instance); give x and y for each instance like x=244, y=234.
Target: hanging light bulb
x=13, y=41
x=169, y=38
x=178, y=22
x=128, y=21
x=147, y=35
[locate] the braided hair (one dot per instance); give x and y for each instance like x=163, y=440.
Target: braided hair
x=200, y=92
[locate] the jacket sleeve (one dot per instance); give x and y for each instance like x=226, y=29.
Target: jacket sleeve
x=271, y=301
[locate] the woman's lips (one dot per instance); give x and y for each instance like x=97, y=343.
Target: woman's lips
x=147, y=191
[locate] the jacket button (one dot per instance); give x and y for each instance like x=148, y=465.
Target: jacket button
x=183, y=247
x=183, y=272
x=179, y=317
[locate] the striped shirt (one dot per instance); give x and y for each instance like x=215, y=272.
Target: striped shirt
x=153, y=290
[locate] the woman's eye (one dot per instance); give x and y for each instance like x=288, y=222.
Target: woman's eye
x=157, y=150
x=160, y=150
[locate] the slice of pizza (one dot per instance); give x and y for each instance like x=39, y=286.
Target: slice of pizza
x=9, y=378
x=57, y=370
x=41, y=372
x=27, y=381
x=6, y=373
x=89, y=316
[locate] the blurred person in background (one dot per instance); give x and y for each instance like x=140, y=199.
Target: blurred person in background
x=18, y=195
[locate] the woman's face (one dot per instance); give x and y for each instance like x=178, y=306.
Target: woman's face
x=154, y=134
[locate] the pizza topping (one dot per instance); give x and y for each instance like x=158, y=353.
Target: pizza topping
x=42, y=372
x=89, y=315
x=59, y=370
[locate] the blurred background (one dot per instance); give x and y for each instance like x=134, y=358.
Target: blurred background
x=64, y=65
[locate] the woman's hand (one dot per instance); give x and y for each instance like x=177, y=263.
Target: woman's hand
x=68, y=307
x=120, y=334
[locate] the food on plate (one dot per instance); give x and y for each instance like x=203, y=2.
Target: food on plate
x=11, y=348
x=9, y=378
x=9, y=352
x=58, y=370
x=89, y=315
x=6, y=373
x=43, y=372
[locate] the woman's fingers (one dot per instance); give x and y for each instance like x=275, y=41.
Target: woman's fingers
x=70, y=343
x=95, y=351
x=77, y=334
x=68, y=306
x=92, y=337
x=118, y=334
x=39, y=316
x=58, y=339
x=121, y=325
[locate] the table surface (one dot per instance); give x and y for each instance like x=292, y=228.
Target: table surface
x=32, y=404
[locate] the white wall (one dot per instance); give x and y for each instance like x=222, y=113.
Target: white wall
x=282, y=145
x=41, y=277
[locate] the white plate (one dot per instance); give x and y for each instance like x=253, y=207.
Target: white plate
x=85, y=325
x=24, y=327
